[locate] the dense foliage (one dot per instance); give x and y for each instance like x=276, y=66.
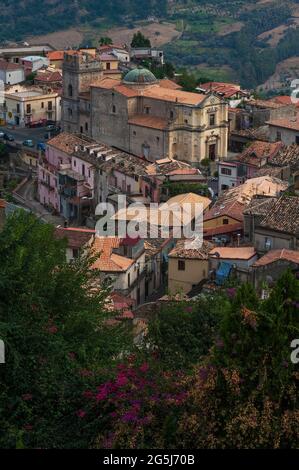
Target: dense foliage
x=214, y=372
x=52, y=321
x=19, y=19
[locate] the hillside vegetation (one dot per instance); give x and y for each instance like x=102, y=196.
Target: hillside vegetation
x=240, y=40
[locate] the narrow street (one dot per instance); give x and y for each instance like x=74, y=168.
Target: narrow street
x=25, y=197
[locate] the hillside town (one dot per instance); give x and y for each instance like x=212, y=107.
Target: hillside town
x=149, y=229
x=113, y=129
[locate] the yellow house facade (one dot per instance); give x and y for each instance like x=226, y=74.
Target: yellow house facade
x=187, y=267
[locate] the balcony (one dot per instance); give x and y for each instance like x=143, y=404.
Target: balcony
x=48, y=185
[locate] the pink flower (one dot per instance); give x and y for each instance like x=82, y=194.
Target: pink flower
x=72, y=356
x=81, y=413
x=121, y=380
x=102, y=395
x=144, y=367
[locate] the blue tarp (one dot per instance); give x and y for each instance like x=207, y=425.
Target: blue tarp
x=223, y=272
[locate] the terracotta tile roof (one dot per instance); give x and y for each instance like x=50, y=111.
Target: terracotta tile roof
x=283, y=216
x=48, y=77
x=259, y=206
x=121, y=302
x=67, y=142
x=259, y=151
x=281, y=99
x=292, y=124
x=184, y=171
x=109, y=261
x=241, y=253
x=265, y=104
x=174, y=96
x=263, y=186
x=76, y=237
x=165, y=83
x=230, y=208
x=153, y=246
x=189, y=198
x=288, y=155
x=225, y=89
x=59, y=55
x=222, y=230
x=155, y=92
x=259, y=133
x=268, y=170
x=3, y=203
x=275, y=255
x=107, y=83
x=185, y=250
x=126, y=164
x=151, y=122
x=166, y=166
x=9, y=66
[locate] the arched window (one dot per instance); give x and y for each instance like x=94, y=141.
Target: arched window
x=70, y=90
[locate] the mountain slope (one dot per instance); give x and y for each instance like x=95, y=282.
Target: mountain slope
x=22, y=18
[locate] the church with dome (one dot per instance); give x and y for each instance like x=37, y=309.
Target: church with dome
x=142, y=115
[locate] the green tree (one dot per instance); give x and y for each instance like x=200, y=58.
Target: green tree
x=188, y=81
x=57, y=340
x=183, y=332
x=105, y=41
x=3, y=150
x=139, y=40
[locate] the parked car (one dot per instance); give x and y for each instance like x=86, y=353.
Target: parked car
x=50, y=127
x=28, y=143
x=41, y=146
x=2, y=134
x=9, y=137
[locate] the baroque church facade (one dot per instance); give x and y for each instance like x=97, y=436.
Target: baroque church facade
x=140, y=114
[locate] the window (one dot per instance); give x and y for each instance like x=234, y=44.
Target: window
x=186, y=121
x=278, y=136
x=129, y=280
x=212, y=119
x=114, y=109
x=75, y=253
x=50, y=105
x=75, y=163
x=147, y=110
x=86, y=126
x=212, y=152
x=297, y=139
x=42, y=105
x=171, y=114
x=70, y=90
x=18, y=108
x=226, y=171
x=134, y=132
x=81, y=129
x=225, y=221
x=181, y=265
x=83, y=169
x=70, y=111
x=28, y=108
x=158, y=139
x=268, y=243
x=108, y=66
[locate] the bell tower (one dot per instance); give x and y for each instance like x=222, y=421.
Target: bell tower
x=79, y=71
